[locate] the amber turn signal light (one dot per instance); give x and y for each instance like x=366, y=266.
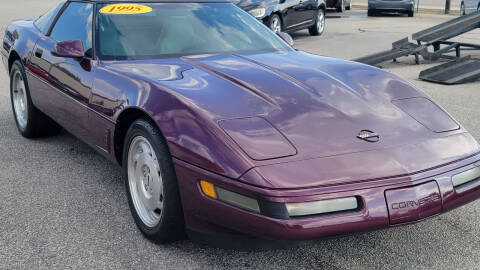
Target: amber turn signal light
x=208, y=189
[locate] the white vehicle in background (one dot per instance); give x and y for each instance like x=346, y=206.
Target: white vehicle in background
x=469, y=6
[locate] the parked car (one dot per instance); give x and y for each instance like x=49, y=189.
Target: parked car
x=340, y=5
x=469, y=6
x=220, y=127
x=288, y=15
x=398, y=6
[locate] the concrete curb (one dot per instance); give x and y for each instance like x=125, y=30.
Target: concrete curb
x=422, y=9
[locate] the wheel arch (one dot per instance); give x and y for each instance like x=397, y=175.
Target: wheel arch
x=14, y=56
x=124, y=120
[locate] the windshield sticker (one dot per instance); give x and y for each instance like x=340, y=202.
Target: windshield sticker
x=125, y=9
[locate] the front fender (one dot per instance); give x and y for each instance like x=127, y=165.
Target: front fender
x=191, y=133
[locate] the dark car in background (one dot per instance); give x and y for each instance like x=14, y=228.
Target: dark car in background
x=391, y=6
x=288, y=15
x=340, y=5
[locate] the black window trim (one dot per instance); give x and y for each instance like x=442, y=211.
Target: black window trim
x=60, y=13
x=54, y=22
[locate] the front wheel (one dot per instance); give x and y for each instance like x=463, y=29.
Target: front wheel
x=151, y=184
x=31, y=122
x=319, y=27
x=275, y=23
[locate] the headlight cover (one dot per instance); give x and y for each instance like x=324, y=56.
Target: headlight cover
x=427, y=113
x=257, y=13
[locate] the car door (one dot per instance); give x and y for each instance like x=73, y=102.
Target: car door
x=308, y=9
x=291, y=14
x=66, y=82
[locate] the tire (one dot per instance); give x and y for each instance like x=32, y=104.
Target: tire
x=341, y=7
x=31, y=122
x=462, y=9
x=410, y=13
x=159, y=217
x=349, y=7
x=275, y=23
x=371, y=13
x=319, y=27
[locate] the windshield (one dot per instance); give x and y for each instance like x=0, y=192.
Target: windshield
x=161, y=30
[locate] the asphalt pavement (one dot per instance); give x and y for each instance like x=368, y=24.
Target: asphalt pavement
x=63, y=206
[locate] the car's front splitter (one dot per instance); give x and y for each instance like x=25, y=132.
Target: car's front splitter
x=410, y=199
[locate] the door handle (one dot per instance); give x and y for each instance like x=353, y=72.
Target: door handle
x=39, y=53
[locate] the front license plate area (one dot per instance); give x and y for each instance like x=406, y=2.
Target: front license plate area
x=413, y=203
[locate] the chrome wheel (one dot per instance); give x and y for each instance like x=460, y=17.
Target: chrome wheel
x=145, y=181
x=20, y=103
x=276, y=24
x=320, y=21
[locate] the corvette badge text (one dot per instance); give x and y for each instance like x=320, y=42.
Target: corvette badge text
x=415, y=204
x=125, y=9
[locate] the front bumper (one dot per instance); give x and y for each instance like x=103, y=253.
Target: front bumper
x=378, y=198
x=393, y=6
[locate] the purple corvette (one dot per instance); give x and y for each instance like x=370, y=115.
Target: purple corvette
x=221, y=128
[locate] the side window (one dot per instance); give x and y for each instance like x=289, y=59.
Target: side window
x=43, y=22
x=75, y=23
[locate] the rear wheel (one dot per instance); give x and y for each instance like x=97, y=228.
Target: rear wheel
x=31, y=122
x=275, y=23
x=349, y=7
x=341, y=6
x=151, y=184
x=319, y=27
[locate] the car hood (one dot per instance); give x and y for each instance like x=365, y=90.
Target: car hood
x=318, y=104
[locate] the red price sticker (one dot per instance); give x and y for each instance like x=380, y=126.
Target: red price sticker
x=125, y=9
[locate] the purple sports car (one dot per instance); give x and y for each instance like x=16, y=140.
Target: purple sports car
x=221, y=127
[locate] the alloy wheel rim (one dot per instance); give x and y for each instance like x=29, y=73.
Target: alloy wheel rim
x=145, y=181
x=320, y=21
x=20, y=103
x=276, y=25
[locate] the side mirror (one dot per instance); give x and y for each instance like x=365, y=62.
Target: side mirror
x=286, y=37
x=69, y=49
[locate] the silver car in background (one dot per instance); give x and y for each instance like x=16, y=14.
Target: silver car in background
x=469, y=6
x=391, y=6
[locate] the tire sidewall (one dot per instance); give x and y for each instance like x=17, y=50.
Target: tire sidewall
x=18, y=66
x=160, y=232
x=324, y=21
